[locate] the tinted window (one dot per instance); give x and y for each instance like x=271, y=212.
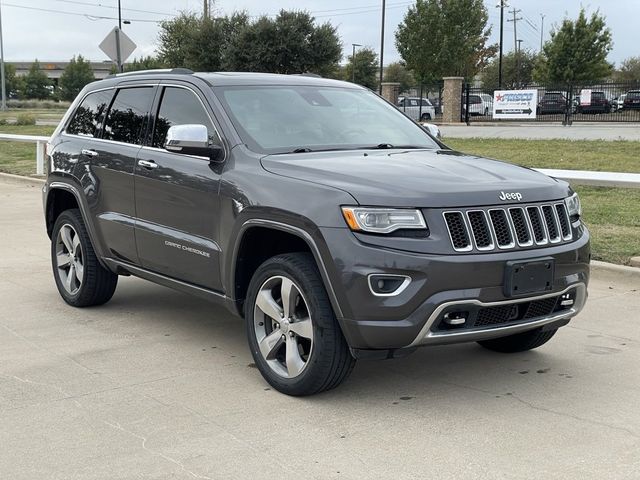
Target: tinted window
x=633, y=95
x=126, y=116
x=180, y=106
x=88, y=117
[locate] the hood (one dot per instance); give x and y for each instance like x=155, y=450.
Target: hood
x=419, y=178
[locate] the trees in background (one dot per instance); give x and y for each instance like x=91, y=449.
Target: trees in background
x=36, y=84
x=399, y=73
x=576, y=52
x=365, y=68
x=76, y=75
x=440, y=38
x=517, y=70
x=289, y=43
x=144, y=63
x=629, y=70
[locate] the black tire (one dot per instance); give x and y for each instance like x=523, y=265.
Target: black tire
x=520, y=342
x=329, y=362
x=486, y=111
x=426, y=117
x=98, y=284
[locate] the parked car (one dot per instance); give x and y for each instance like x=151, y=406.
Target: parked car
x=334, y=225
x=412, y=108
x=479, y=104
x=598, y=104
x=618, y=102
x=552, y=103
x=632, y=100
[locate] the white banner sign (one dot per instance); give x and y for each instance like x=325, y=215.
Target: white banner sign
x=585, y=96
x=515, y=104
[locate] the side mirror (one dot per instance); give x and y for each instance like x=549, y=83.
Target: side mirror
x=191, y=140
x=432, y=129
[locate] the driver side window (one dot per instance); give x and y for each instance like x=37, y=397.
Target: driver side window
x=180, y=106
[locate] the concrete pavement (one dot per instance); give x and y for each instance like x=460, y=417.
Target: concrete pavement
x=536, y=131
x=160, y=385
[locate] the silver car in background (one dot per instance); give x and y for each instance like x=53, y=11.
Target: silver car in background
x=417, y=109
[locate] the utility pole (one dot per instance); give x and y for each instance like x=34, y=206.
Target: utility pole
x=353, y=62
x=542, y=15
x=515, y=40
x=205, y=13
x=501, y=6
x=384, y=7
x=4, y=85
x=118, y=30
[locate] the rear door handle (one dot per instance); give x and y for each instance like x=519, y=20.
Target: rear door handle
x=89, y=153
x=147, y=164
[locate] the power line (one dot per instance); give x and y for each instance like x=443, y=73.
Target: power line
x=86, y=15
x=99, y=5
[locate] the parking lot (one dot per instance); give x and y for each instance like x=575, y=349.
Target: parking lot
x=160, y=385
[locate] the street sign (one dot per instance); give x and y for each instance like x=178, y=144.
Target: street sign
x=110, y=45
x=515, y=104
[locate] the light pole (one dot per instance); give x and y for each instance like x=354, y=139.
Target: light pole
x=384, y=3
x=4, y=86
x=501, y=6
x=118, y=50
x=353, y=62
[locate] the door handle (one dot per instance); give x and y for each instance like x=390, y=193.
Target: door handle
x=89, y=153
x=147, y=164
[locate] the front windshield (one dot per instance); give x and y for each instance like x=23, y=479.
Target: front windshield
x=284, y=119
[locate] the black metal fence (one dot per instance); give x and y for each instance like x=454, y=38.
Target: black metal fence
x=609, y=102
x=423, y=102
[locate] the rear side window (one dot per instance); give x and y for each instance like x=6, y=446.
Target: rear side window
x=126, y=116
x=88, y=118
x=180, y=106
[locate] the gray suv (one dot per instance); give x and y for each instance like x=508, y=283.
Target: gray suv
x=335, y=226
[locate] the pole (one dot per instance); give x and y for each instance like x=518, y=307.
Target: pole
x=4, y=85
x=501, y=43
x=118, y=51
x=515, y=39
x=353, y=62
x=518, y=62
x=384, y=7
x=206, y=9
x=541, y=29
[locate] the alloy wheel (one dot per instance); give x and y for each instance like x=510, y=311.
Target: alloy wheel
x=283, y=326
x=69, y=259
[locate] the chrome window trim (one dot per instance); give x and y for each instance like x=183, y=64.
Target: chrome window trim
x=464, y=221
x=508, y=219
x=493, y=244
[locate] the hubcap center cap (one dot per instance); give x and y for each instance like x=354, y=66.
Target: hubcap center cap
x=284, y=325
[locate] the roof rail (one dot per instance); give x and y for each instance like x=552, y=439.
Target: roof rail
x=178, y=71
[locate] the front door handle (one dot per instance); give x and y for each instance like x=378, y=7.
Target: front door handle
x=147, y=164
x=89, y=153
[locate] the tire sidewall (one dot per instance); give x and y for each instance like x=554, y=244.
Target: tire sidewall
x=68, y=218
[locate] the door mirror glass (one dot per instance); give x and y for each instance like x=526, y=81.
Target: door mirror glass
x=191, y=140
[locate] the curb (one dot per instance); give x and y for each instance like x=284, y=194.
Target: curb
x=621, y=270
x=20, y=179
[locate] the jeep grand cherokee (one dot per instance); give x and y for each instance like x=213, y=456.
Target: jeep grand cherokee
x=336, y=226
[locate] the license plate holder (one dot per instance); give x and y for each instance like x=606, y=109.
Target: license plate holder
x=531, y=276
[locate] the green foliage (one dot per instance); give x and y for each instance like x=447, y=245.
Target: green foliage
x=577, y=52
x=74, y=78
x=512, y=77
x=25, y=119
x=288, y=43
x=398, y=72
x=439, y=38
x=13, y=83
x=629, y=70
x=365, y=67
x=36, y=84
x=144, y=63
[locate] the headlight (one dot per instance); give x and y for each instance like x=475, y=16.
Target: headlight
x=382, y=220
x=573, y=206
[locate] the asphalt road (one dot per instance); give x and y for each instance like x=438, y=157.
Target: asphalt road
x=159, y=385
x=535, y=131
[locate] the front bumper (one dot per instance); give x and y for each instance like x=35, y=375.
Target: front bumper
x=439, y=282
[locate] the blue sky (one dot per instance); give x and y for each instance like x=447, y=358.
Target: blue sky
x=75, y=26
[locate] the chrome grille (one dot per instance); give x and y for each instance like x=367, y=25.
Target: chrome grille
x=506, y=228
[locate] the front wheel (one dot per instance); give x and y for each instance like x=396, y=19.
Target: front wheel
x=293, y=334
x=426, y=117
x=520, y=342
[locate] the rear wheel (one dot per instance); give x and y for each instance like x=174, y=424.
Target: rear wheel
x=425, y=117
x=293, y=334
x=81, y=280
x=520, y=342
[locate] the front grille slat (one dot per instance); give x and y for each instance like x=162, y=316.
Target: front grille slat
x=490, y=228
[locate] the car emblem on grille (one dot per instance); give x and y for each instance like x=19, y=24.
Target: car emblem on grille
x=504, y=196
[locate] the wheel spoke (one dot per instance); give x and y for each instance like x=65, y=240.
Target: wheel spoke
x=294, y=361
x=76, y=243
x=289, y=294
x=65, y=235
x=268, y=305
x=63, y=260
x=71, y=275
x=302, y=328
x=270, y=344
x=79, y=269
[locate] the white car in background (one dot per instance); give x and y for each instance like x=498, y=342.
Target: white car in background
x=480, y=104
x=618, y=103
x=412, y=108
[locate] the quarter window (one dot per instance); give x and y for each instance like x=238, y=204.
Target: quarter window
x=87, y=120
x=126, y=116
x=180, y=106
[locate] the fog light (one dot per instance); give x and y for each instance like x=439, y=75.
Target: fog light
x=388, y=285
